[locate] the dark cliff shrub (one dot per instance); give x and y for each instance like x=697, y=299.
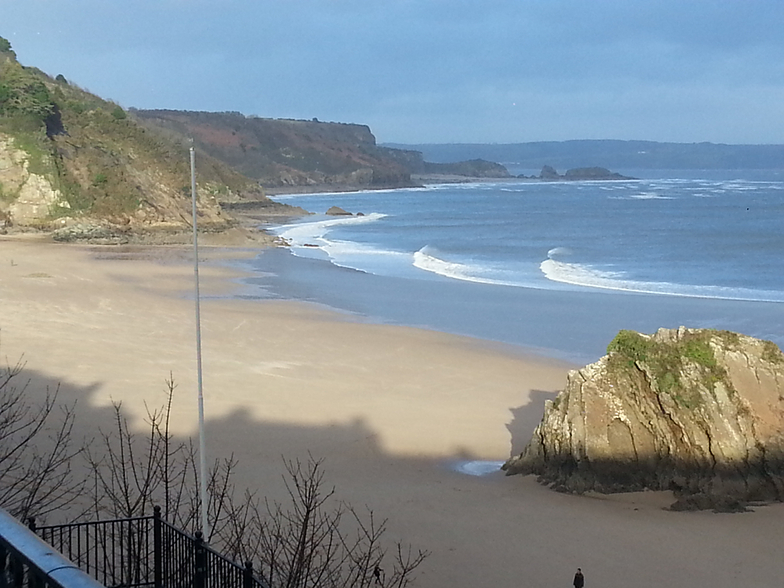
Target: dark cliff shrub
x=630, y=344
x=5, y=46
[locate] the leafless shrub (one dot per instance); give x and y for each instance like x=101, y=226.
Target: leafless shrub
x=311, y=540
x=36, y=449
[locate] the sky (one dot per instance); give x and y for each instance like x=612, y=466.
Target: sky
x=431, y=71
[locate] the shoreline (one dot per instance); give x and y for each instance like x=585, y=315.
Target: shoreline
x=163, y=274
x=392, y=409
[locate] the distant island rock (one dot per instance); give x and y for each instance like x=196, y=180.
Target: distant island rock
x=578, y=174
x=696, y=411
x=337, y=211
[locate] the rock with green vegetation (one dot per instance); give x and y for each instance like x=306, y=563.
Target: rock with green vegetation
x=474, y=168
x=593, y=173
x=68, y=158
x=580, y=174
x=286, y=155
x=696, y=411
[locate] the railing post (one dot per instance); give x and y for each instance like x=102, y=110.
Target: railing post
x=17, y=571
x=3, y=564
x=157, y=538
x=34, y=580
x=200, y=578
x=31, y=577
x=247, y=575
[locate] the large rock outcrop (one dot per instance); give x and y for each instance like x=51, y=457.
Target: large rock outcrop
x=26, y=198
x=700, y=412
x=71, y=160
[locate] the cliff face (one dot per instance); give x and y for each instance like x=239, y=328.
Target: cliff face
x=286, y=153
x=68, y=157
x=25, y=197
x=700, y=412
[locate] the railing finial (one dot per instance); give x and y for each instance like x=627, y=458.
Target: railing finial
x=247, y=575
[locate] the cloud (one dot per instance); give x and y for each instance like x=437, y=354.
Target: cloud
x=447, y=68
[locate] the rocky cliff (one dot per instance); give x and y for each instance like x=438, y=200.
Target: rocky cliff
x=285, y=154
x=69, y=158
x=700, y=412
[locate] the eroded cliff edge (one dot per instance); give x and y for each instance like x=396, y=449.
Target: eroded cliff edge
x=699, y=412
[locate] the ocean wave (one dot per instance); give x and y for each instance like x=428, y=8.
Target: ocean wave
x=358, y=256
x=299, y=234
x=591, y=277
x=425, y=259
x=558, y=251
x=310, y=239
x=353, y=193
x=743, y=186
x=643, y=196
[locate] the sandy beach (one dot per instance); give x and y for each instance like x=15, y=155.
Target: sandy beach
x=391, y=410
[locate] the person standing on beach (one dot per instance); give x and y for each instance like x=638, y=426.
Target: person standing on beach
x=579, y=579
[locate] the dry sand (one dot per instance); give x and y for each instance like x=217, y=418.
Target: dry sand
x=391, y=409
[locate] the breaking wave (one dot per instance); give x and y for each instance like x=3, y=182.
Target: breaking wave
x=588, y=276
x=310, y=239
x=427, y=259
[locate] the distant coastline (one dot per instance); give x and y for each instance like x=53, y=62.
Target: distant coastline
x=608, y=153
x=420, y=180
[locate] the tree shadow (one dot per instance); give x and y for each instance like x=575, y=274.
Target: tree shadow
x=353, y=456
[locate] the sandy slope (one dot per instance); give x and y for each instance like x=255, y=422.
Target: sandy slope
x=389, y=408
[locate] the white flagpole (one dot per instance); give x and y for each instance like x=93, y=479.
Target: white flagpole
x=202, y=443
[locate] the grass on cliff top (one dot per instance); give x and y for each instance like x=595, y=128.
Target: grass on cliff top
x=666, y=361
x=771, y=353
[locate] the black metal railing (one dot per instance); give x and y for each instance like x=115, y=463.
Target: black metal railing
x=146, y=552
x=28, y=562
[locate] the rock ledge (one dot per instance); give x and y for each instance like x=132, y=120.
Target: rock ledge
x=699, y=412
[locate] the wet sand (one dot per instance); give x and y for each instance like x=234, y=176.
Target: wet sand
x=392, y=410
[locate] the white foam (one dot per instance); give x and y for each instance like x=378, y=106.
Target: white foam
x=425, y=260
x=558, y=251
x=299, y=234
x=333, y=195
x=742, y=186
x=650, y=196
x=310, y=239
x=590, y=277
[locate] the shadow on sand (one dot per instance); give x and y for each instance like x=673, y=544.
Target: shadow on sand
x=525, y=418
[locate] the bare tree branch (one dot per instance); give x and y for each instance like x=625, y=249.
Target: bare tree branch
x=36, y=450
x=311, y=540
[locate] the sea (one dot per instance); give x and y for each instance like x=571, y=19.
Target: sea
x=554, y=268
